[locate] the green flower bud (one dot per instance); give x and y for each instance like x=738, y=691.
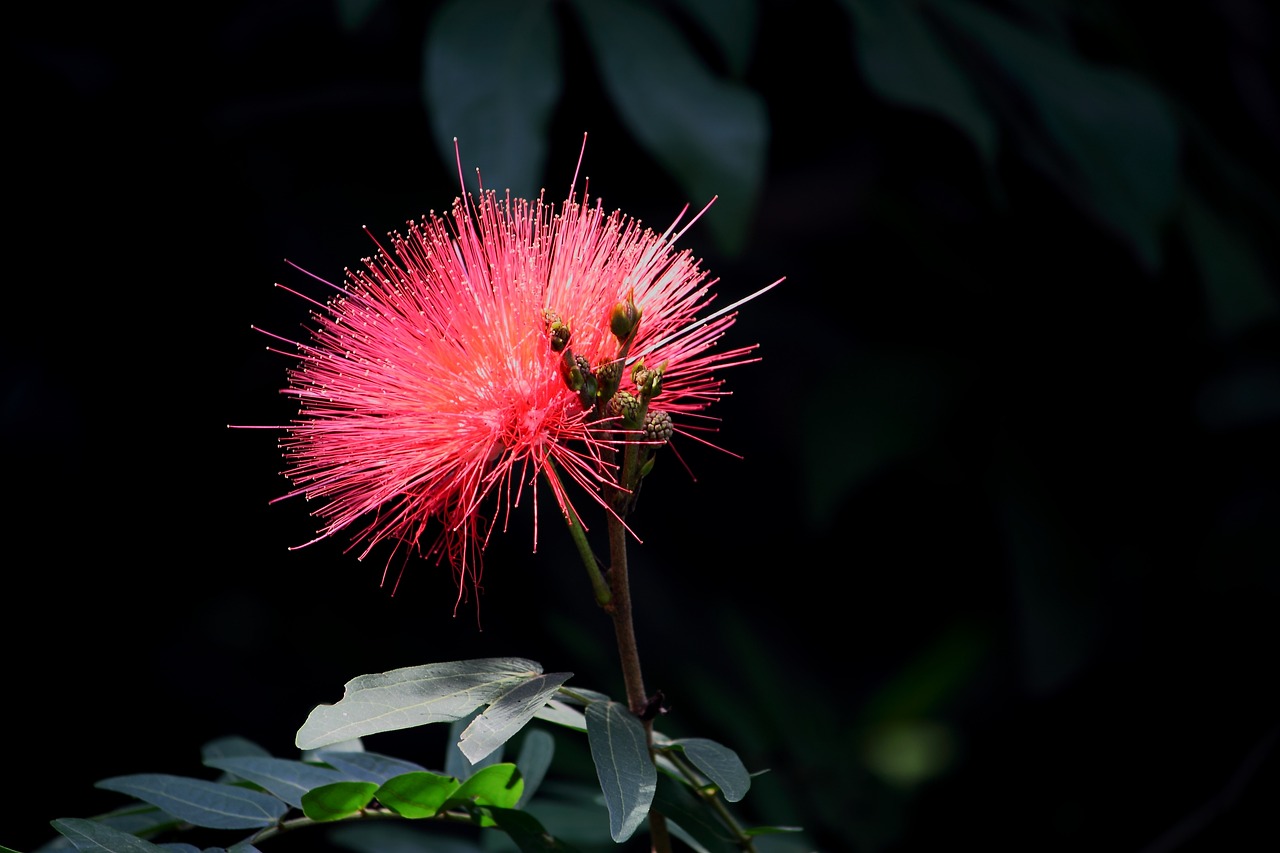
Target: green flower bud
x=658, y=426
x=624, y=319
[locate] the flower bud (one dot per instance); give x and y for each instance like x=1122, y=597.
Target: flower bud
x=624, y=319
x=626, y=406
x=658, y=426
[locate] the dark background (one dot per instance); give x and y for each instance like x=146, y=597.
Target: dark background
x=1000, y=564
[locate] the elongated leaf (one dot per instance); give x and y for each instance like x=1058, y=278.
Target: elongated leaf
x=710, y=134
x=731, y=24
x=720, y=764
x=527, y=833
x=415, y=795
x=285, y=778
x=692, y=818
x=412, y=696
x=536, y=751
x=627, y=775
x=1104, y=135
x=498, y=785
x=89, y=835
x=338, y=800
x=561, y=714
x=906, y=63
x=508, y=715
x=367, y=766
x=491, y=78
x=232, y=746
x=201, y=802
x=457, y=764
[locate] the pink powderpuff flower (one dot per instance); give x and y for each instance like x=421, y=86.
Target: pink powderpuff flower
x=430, y=392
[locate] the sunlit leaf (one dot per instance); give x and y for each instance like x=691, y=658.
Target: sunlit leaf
x=412, y=696
x=89, y=835
x=368, y=766
x=906, y=63
x=720, y=764
x=709, y=133
x=536, y=751
x=457, y=764
x=337, y=800
x=497, y=785
x=562, y=715
x=491, y=78
x=620, y=751
x=416, y=795
x=200, y=802
x=285, y=778
x=508, y=715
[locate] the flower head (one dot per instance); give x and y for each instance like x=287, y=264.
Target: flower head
x=475, y=354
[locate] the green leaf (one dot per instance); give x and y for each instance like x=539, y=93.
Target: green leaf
x=337, y=800
x=367, y=766
x=1107, y=138
x=89, y=835
x=731, y=24
x=285, y=778
x=1237, y=288
x=200, y=802
x=416, y=795
x=497, y=785
x=620, y=750
x=536, y=751
x=491, y=79
x=905, y=62
x=528, y=834
x=686, y=811
x=709, y=133
x=720, y=764
x=508, y=714
x=412, y=696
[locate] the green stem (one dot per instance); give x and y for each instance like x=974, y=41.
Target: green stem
x=576, y=532
x=743, y=840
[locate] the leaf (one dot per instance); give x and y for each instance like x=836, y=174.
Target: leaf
x=337, y=800
x=720, y=764
x=905, y=63
x=200, y=802
x=497, y=785
x=1237, y=290
x=416, y=795
x=491, y=79
x=528, y=834
x=89, y=835
x=232, y=746
x=508, y=714
x=626, y=772
x=457, y=764
x=731, y=24
x=1107, y=138
x=710, y=134
x=285, y=778
x=412, y=696
x=563, y=715
x=536, y=751
x=368, y=766
x=685, y=810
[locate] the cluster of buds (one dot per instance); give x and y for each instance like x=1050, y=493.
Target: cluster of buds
x=599, y=388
